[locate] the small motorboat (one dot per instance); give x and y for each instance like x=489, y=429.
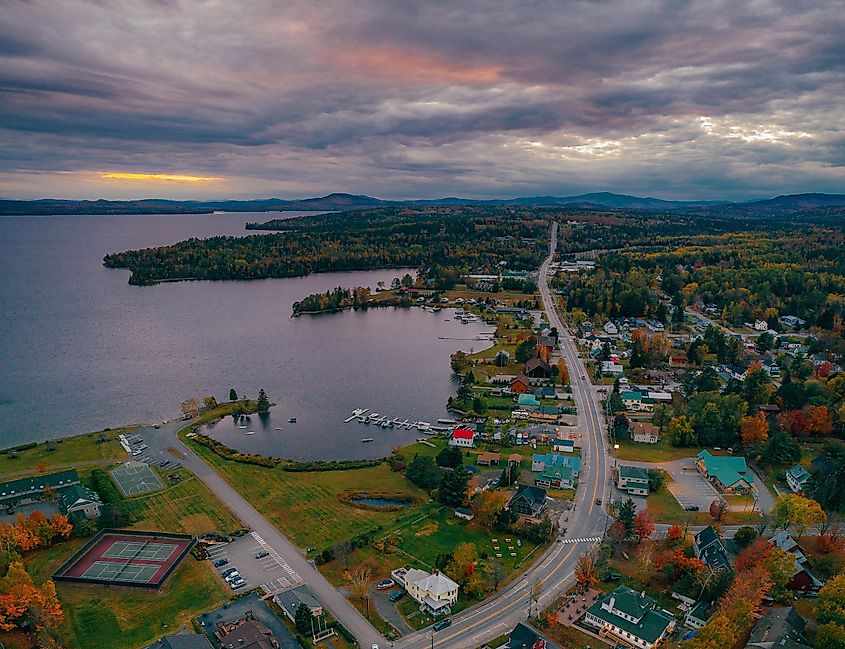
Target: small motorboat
x=292, y=420
x=252, y=432
x=367, y=439
x=278, y=428
x=241, y=426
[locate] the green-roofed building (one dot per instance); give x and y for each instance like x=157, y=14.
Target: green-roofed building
x=562, y=477
x=727, y=473
x=630, y=618
x=632, y=479
x=64, y=487
x=796, y=477
x=527, y=401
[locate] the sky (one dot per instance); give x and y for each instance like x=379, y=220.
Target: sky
x=400, y=99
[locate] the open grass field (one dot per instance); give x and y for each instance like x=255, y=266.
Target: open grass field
x=68, y=451
x=187, y=506
x=117, y=618
x=663, y=508
x=663, y=451
x=304, y=505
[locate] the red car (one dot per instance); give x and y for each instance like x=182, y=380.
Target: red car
x=598, y=501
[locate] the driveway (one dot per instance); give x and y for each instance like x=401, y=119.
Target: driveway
x=387, y=610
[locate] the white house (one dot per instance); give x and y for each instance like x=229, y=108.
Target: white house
x=463, y=437
x=796, y=477
x=630, y=618
x=611, y=368
x=761, y=325
x=610, y=328
x=644, y=432
x=435, y=592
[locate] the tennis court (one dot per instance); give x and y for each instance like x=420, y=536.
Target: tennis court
x=111, y=571
x=144, y=550
x=127, y=558
x=135, y=478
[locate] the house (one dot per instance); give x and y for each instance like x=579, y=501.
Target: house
x=632, y=479
x=63, y=487
x=771, y=368
x=564, y=446
x=644, y=432
x=728, y=474
x=610, y=328
x=541, y=462
x=822, y=464
x=698, y=615
x=488, y=459
x=780, y=628
x=477, y=484
x=528, y=501
x=557, y=477
x=792, y=321
x=636, y=401
x=514, y=459
x=796, y=477
x=612, y=368
x=536, y=368
x=678, y=361
x=247, y=623
x=708, y=546
x=630, y=618
x=520, y=384
x=658, y=396
x=761, y=325
x=248, y=634
x=434, y=592
x=655, y=325
x=545, y=348
x=289, y=601
x=527, y=637
x=464, y=514
x=76, y=501
x=463, y=437
x=802, y=579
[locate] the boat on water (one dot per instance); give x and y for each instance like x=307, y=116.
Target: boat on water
x=423, y=426
x=252, y=432
x=374, y=415
x=241, y=426
x=292, y=420
x=278, y=428
x=367, y=439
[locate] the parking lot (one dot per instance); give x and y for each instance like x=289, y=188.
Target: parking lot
x=271, y=573
x=689, y=487
x=141, y=452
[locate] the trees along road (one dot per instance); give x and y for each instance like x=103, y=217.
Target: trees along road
x=552, y=573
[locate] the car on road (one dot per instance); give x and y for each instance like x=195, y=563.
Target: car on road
x=442, y=624
x=374, y=646
x=598, y=501
x=583, y=378
x=220, y=563
x=262, y=554
x=384, y=584
x=691, y=508
x=396, y=595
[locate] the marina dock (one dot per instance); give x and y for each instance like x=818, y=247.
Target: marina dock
x=383, y=421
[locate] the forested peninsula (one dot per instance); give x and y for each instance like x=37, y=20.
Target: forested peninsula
x=442, y=242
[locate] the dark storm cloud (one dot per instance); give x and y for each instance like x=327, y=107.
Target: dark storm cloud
x=420, y=99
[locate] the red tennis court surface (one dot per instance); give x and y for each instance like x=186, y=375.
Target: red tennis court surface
x=126, y=558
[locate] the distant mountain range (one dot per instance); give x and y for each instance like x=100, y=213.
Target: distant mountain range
x=781, y=205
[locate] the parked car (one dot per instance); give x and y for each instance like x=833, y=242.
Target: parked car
x=385, y=584
x=234, y=577
x=611, y=576
x=220, y=563
x=396, y=595
x=228, y=571
x=238, y=584
x=262, y=554
x=691, y=508
x=442, y=624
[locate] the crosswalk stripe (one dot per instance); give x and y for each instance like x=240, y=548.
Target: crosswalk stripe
x=589, y=539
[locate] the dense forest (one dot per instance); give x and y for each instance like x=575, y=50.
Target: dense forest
x=442, y=242
x=335, y=300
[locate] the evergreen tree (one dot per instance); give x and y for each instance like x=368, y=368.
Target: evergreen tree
x=626, y=511
x=302, y=618
x=263, y=401
x=451, y=456
x=453, y=487
x=423, y=472
x=233, y=395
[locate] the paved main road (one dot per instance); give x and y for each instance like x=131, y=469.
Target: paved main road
x=554, y=571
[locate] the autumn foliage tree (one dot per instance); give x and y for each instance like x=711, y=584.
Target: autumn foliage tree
x=585, y=571
x=754, y=430
x=677, y=565
x=24, y=605
x=798, y=512
x=643, y=526
x=675, y=535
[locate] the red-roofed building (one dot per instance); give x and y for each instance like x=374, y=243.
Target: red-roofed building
x=462, y=437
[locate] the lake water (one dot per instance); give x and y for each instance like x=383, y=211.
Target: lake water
x=81, y=350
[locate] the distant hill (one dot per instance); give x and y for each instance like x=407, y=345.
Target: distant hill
x=800, y=205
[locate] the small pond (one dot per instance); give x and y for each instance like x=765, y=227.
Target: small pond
x=382, y=503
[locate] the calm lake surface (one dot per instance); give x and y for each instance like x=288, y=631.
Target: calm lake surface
x=81, y=350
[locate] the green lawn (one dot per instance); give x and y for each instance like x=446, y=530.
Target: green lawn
x=126, y=618
x=187, y=507
x=304, y=505
x=71, y=450
x=663, y=508
x=663, y=451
